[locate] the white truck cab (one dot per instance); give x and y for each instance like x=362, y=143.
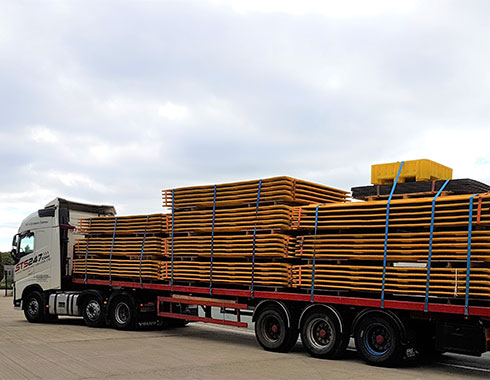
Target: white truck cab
x=43, y=251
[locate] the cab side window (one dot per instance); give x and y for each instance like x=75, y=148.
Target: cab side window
x=26, y=245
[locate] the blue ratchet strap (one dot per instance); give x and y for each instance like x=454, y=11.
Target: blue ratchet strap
x=431, y=237
x=143, y=249
x=212, y=244
x=386, y=234
x=112, y=249
x=468, y=258
x=254, y=236
x=313, y=268
x=86, y=251
x=172, y=245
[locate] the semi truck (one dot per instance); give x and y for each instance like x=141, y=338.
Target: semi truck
x=385, y=332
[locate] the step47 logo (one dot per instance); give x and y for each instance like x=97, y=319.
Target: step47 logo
x=32, y=261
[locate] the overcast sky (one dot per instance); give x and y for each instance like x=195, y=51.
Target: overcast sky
x=112, y=101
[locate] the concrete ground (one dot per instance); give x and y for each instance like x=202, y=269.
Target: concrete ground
x=70, y=350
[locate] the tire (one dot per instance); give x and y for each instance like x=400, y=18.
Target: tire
x=378, y=341
x=122, y=313
x=93, y=311
x=272, y=332
x=321, y=336
x=34, y=307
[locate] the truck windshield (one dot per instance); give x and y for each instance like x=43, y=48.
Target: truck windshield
x=26, y=244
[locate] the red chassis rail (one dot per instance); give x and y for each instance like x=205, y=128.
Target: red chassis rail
x=477, y=311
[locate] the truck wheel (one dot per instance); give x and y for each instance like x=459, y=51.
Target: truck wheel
x=272, y=332
x=34, y=307
x=378, y=340
x=93, y=312
x=321, y=336
x=122, y=313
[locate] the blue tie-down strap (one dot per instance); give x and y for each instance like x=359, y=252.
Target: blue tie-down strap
x=254, y=237
x=212, y=244
x=172, y=244
x=86, y=251
x=313, y=266
x=112, y=249
x=431, y=237
x=386, y=235
x=468, y=257
x=143, y=250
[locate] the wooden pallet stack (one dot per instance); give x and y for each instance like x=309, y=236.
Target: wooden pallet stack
x=349, y=246
x=239, y=233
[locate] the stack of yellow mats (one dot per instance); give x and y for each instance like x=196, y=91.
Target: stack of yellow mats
x=402, y=246
x=278, y=189
x=233, y=219
x=450, y=211
x=266, y=245
x=122, y=246
x=269, y=274
x=150, y=269
x=154, y=223
x=447, y=282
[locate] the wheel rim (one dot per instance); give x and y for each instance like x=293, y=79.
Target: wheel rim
x=271, y=329
x=122, y=313
x=33, y=307
x=377, y=339
x=93, y=310
x=321, y=333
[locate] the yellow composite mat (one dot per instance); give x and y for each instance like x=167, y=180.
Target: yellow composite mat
x=266, y=245
x=233, y=219
x=450, y=211
x=404, y=246
x=122, y=246
x=278, y=189
x=150, y=269
x=274, y=274
x=448, y=282
x=154, y=223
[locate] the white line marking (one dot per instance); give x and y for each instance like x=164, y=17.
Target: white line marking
x=225, y=329
x=464, y=367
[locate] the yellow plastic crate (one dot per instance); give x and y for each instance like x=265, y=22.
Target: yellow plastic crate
x=415, y=170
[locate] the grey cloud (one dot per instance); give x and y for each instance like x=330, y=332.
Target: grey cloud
x=264, y=94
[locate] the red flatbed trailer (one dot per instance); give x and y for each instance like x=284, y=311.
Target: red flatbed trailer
x=411, y=330
x=475, y=311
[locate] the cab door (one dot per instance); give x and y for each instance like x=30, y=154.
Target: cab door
x=36, y=264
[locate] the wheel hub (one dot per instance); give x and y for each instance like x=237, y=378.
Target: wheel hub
x=272, y=329
x=33, y=307
x=122, y=313
x=321, y=333
x=93, y=310
x=378, y=339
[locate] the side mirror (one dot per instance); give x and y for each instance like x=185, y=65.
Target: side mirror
x=14, y=255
